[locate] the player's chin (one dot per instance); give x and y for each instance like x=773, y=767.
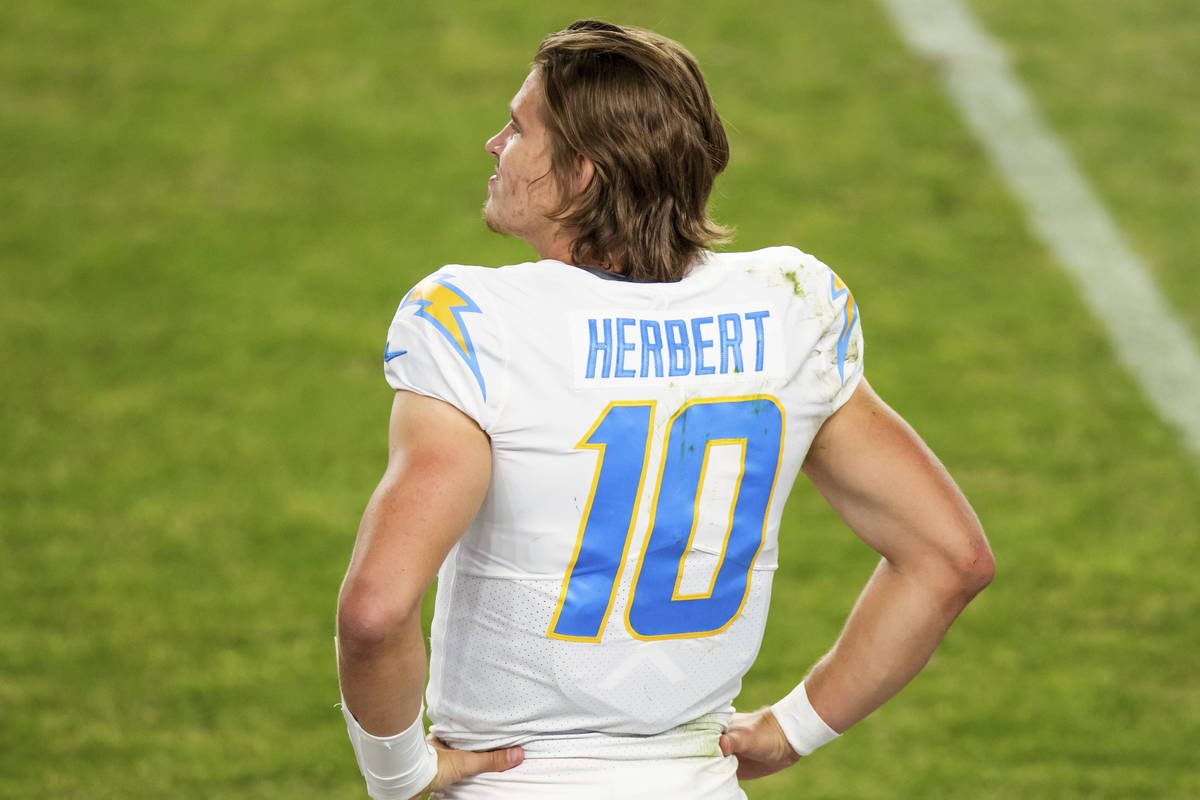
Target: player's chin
x=492, y=220
x=487, y=220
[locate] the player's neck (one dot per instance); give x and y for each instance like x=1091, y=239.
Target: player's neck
x=555, y=244
x=558, y=248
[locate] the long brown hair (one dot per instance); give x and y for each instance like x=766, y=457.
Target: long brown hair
x=635, y=104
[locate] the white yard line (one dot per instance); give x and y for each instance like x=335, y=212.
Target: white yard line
x=1062, y=209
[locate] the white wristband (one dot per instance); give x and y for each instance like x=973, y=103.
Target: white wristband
x=803, y=727
x=394, y=767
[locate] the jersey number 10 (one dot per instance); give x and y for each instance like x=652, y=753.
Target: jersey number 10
x=656, y=608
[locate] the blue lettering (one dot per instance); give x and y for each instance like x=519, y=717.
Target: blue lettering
x=677, y=345
x=730, y=328
x=757, y=318
x=630, y=347
x=596, y=345
x=701, y=345
x=622, y=348
x=652, y=342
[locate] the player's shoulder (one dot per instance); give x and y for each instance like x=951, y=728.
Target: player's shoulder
x=484, y=280
x=453, y=277
x=782, y=269
x=766, y=260
x=445, y=341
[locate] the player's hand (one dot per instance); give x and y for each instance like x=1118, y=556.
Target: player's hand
x=759, y=743
x=454, y=765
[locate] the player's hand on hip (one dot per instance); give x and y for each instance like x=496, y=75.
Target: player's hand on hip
x=454, y=765
x=759, y=743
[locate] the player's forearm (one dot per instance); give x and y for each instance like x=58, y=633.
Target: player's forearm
x=898, y=621
x=381, y=672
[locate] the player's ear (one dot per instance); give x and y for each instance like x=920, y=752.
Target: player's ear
x=585, y=170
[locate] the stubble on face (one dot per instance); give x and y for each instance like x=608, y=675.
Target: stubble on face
x=522, y=192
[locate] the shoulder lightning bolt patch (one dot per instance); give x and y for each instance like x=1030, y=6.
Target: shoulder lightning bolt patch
x=837, y=290
x=442, y=303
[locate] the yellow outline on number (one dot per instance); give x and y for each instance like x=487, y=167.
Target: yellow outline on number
x=583, y=444
x=654, y=510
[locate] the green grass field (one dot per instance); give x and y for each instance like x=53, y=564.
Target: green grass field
x=208, y=213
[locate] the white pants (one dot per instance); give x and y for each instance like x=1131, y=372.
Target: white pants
x=711, y=778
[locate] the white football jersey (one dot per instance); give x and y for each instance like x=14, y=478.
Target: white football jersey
x=613, y=588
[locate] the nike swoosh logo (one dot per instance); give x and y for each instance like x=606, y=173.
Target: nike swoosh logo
x=388, y=355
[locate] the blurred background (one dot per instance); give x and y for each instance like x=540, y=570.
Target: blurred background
x=209, y=212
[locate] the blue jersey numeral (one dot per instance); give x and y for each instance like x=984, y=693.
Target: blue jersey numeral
x=588, y=590
x=656, y=608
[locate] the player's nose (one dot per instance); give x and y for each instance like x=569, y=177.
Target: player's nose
x=495, y=144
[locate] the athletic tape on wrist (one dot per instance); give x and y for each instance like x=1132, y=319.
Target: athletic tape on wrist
x=394, y=767
x=803, y=727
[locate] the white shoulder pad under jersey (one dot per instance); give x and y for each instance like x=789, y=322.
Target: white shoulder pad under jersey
x=819, y=291
x=442, y=344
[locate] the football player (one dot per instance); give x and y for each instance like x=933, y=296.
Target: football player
x=591, y=451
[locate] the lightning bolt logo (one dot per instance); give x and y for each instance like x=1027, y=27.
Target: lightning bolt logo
x=443, y=304
x=838, y=289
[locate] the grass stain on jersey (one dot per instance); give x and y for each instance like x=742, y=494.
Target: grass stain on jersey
x=794, y=280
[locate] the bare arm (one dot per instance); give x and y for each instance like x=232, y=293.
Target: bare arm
x=439, y=467
x=894, y=493
x=896, y=496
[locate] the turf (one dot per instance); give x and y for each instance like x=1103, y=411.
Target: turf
x=211, y=210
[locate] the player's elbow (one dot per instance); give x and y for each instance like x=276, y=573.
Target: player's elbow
x=369, y=618
x=974, y=567
x=958, y=570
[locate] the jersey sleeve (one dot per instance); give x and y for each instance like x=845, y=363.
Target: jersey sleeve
x=841, y=345
x=835, y=362
x=442, y=343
